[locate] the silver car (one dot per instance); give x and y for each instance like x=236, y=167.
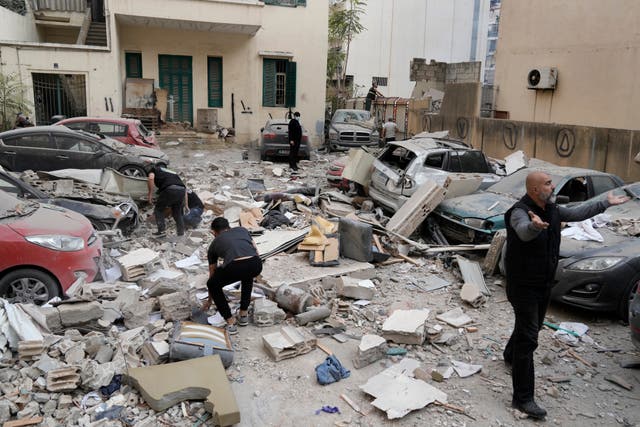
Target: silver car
x=352, y=129
x=403, y=166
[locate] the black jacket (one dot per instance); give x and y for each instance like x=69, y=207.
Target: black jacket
x=163, y=178
x=295, y=131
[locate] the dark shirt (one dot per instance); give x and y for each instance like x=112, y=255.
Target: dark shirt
x=164, y=178
x=295, y=131
x=193, y=201
x=231, y=244
x=373, y=92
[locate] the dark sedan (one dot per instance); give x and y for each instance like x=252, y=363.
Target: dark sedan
x=47, y=148
x=124, y=216
x=603, y=276
x=274, y=140
x=634, y=318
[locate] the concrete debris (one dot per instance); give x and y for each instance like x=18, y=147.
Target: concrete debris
x=293, y=299
x=176, y=306
x=155, y=352
x=27, y=350
x=79, y=313
x=163, y=386
x=456, y=317
x=356, y=239
x=406, y=326
x=397, y=393
x=63, y=379
x=470, y=293
x=472, y=274
x=413, y=212
x=137, y=264
x=465, y=369
x=288, y=342
x=492, y=258
x=267, y=313
x=515, y=161
x=354, y=288
x=313, y=315
x=191, y=340
x=371, y=349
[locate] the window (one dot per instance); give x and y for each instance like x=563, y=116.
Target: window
x=472, y=161
x=289, y=3
x=602, y=184
x=109, y=129
x=76, y=126
x=278, y=83
x=397, y=158
x=133, y=64
x=380, y=81
x=434, y=160
x=31, y=141
x=214, y=82
x=70, y=143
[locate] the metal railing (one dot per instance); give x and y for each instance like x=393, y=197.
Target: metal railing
x=59, y=5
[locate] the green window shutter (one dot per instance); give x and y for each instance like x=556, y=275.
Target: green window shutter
x=269, y=83
x=302, y=3
x=290, y=95
x=214, y=80
x=133, y=64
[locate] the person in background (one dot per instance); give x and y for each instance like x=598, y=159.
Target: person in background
x=195, y=207
x=171, y=193
x=295, y=139
x=389, y=130
x=371, y=96
x=240, y=262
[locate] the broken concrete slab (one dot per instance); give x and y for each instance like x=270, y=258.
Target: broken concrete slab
x=460, y=185
x=371, y=348
x=355, y=288
x=472, y=273
x=155, y=352
x=470, y=293
x=406, y=326
x=78, y=313
x=191, y=340
x=289, y=342
x=63, y=379
x=358, y=167
x=356, y=240
x=204, y=378
x=267, y=313
x=397, y=393
x=413, y=212
x=456, y=317
x=515, y=161
x=176, y=306
x=465, y=369
x=136, y=264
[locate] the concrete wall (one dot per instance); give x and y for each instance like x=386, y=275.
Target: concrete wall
x=594, y=44
x=17, y=27
x=605, y=149
x=442, y=73
x=400, y=30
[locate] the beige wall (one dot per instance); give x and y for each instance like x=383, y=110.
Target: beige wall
x=16, y=27
x=594, y=44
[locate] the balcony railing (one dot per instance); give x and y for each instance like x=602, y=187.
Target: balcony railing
x=59, y=5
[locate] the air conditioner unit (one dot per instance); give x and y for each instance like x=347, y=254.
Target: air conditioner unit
x=542, y=78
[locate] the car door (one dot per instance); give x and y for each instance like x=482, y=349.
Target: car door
x=35, y=151
x=75, y=152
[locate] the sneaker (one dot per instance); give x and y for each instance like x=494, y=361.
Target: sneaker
x=243, y=320
x=530, y=408
x=232, y=329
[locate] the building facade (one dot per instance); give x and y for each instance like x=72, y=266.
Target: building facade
x=248, y=59
x=595, y=47
x=399, y=30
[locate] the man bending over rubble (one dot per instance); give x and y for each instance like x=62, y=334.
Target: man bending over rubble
x=531, y=259
x=171, y=193
x=240, y=262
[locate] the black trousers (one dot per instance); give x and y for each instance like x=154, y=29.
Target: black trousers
x=172, y=196
x=293, y=155
x=244, y=271
x=529, y=307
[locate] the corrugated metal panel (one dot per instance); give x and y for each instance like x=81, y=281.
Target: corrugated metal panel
x=62, y=5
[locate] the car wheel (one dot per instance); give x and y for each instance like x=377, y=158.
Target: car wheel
x=99, y=226
x=263, y=157
x=28, y=286
x=132, y=170
x=627, y=296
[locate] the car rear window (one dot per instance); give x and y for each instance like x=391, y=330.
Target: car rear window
x=142, y=130
x=397, y=157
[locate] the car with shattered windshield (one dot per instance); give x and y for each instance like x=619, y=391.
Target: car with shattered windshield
x=603, y=276
x=475, y=218
x=47, y=148
x=351, y=129
x=403, y=166
x=44, y=250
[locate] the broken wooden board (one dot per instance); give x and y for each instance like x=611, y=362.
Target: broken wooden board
x=397, y=393
x=295, y=268
x=204, y=378
x=415, y=210
x=492, y=257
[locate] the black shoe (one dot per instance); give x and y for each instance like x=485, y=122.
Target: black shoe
x=530, y=408
x=159, y=234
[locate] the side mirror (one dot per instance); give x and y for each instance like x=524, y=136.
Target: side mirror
x=562, y=200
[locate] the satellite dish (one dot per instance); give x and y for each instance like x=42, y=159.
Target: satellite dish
x=533, y=78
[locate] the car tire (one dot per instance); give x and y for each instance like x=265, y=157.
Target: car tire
x=99, y=226
x=133, y=170
x=29, y=285
x=623, y=307
x=263, y=157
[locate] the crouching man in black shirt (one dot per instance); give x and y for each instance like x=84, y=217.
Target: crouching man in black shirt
x=240, y=263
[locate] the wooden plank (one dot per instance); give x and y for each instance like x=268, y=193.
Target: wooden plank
x=323, y=348
x=23, y=422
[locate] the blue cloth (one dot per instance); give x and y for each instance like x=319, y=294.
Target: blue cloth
x=193, y=218
x=331, y=370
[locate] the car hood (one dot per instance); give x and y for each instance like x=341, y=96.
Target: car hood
x=87, y=209
x=138, y=150
x=49, y=219
x=477, y=206
x=353, y=126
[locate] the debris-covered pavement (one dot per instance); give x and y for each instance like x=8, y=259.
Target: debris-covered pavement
x=394, y=328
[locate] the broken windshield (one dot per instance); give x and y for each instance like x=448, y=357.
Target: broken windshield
x=12, y=206
x=514, y=184
x=350, y=116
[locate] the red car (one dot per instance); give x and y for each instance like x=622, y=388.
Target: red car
x=43, y=250
x=129, y=131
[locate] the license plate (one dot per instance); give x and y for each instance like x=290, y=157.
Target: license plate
x=283, y=151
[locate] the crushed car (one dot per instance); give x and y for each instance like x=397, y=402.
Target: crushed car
x=57, y=147
x=604, y=276
x=274, y=140
x=128, y=131
x=44, y=250
x=123, y=215
x=351, y=128
x=476, y=217
x=403, y=166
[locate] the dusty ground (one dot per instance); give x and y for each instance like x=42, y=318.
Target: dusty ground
x=286, y=393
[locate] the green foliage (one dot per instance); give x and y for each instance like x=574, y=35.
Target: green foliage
x=12, y=100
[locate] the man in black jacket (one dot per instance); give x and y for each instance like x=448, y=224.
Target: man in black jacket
x=531, y=259
x=171, y=193
x=295, y=139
